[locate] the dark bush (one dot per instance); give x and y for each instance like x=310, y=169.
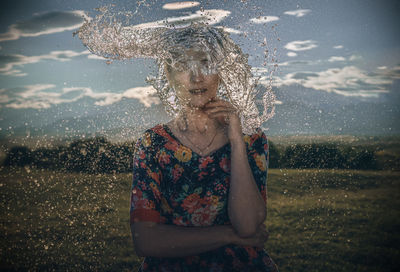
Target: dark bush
x=360, y=158
x=97, y=155
x=47, y=158
x=18, y=156
x=313, y=156
x=274, y=156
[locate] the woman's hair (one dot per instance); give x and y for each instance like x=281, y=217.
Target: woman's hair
x=167, y=46
x=237, y=85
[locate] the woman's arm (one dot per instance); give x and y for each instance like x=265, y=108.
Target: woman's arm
x=169, y=241
x=246, y=207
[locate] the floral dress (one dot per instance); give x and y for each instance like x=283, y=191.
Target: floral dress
x=174, y=185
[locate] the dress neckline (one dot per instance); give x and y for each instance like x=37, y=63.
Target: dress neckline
x=212, y=153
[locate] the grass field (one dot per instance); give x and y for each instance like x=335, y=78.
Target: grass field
x=319, y=220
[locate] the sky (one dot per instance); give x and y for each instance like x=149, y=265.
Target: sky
x=337, y=66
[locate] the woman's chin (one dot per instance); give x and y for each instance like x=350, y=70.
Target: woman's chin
x=198, y=104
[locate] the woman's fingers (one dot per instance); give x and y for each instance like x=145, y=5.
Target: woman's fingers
x=218, y=109
x=227, y=115
x=220, y=113
x=218, y=103
x=222, y=116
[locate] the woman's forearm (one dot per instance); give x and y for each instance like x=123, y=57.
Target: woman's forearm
x=168, y=241
x=246, y=207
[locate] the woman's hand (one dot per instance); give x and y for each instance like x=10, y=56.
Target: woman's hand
x=227, y=116
x=257, y=240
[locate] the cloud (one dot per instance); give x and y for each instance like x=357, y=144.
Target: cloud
x=8, y=63
x=355, y=57
x=3, y=97
x=298, y=12
x=336, y=58
x=32, y=96
x=301, y=45
x=210, y=16
x=180, y=5
x=264, y=19
x=230, y=30
x=346, y=81
x=338, y=47
x=93, y=56
x=297, y=63
x=146, y=95
x=44, y=24
x=14, y=73
x=292, y=54
x=389, y=73
x=43, y=96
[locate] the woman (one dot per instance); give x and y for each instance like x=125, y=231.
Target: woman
x=198, y=199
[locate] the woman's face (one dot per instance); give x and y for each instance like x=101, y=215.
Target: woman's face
x=194, y=79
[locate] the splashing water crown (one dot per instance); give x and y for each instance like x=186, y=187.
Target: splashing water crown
x=168, y=46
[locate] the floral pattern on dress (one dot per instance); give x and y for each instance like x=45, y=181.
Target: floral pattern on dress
x=174, y=185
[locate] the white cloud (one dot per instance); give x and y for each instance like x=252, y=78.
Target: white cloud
x=346, y=81
x=146, y=95
x=230, y=30
x=338, y=47
x=8, y=67
x=264, y=19
x=34, y=90
x=301, y=63
x=42, y=96
x=32, y=96
x=14, y=72
x=355, y=58
x=298, y=12
x=92, y=56
x=210, y=16
x=292, y=54
x=180, y=5
x=301, y=45
x=4, y=98
x=336, y=58
x=44, y=24
x=389, y=73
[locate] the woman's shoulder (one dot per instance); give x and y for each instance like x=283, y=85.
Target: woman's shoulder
x=258, y=133
x=257, y=138
x=153, y=136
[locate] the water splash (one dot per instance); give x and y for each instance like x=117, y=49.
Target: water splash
x=106, y=36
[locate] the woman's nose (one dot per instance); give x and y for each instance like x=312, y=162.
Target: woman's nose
x=196, y=75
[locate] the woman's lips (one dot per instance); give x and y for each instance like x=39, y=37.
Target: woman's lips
x=197, y=91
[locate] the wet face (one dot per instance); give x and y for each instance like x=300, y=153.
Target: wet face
x=193, y=78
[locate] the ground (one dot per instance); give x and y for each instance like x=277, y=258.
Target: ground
x=319, y=220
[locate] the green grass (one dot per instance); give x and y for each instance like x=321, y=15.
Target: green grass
x=319, y=220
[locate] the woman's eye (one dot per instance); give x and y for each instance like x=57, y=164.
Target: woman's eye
x=180, y=66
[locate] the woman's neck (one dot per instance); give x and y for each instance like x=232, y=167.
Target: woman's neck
x=197, y=121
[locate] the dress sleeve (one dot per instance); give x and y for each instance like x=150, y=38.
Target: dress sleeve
x=145, y=191
x=258, y=159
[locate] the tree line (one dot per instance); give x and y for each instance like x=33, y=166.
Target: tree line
x=98, y=155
